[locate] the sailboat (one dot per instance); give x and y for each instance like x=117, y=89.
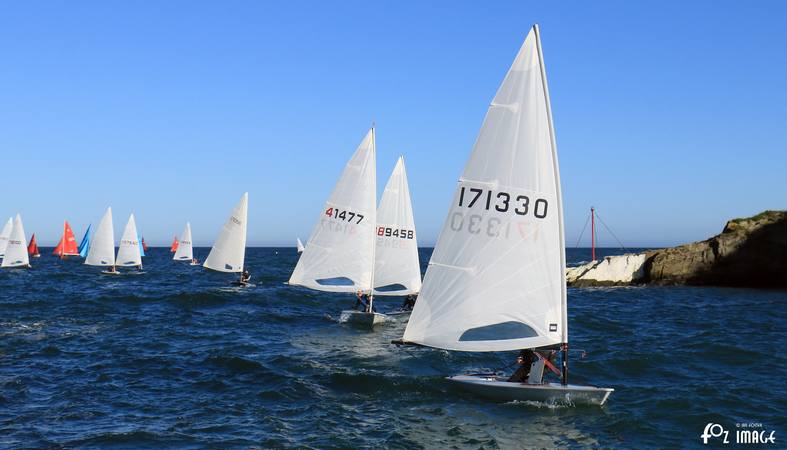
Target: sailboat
x=5, y=234
x=130, y=250
x=101, y=251
x=143, y=247
x=83, y=245
x=229, y=250
x=185, y=251
x=298, y=245
x=67, y=246
x=174, y=247
x=496, y=279
x=32, y=248
x=339, y=255
x=16, y=250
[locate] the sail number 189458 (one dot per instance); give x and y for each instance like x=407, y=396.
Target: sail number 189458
x=502, y=202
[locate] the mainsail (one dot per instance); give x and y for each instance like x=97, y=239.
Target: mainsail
x=174, y=247
x=32, y=248
x=496, y=280
x=397, y=270
x=85, y=243
x=299, y=245
x=67, y=246
x=339, y=255
x=184, y=251
x=5, y=234
x=229, y=249
x=16, y=250
x=101, y=251
x=129, y=249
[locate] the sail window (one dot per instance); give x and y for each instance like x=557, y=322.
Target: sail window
x=498, y=332
x=337, y=281
x=391, y=288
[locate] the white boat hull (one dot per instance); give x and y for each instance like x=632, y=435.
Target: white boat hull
x=498, y=388
x=360, y=318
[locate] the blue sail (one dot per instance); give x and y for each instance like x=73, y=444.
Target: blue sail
x=83, y=246
x=141, y=247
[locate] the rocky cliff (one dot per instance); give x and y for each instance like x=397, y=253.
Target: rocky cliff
x=749, y=252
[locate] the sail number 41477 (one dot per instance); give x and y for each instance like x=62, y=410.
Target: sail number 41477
x=343, y=214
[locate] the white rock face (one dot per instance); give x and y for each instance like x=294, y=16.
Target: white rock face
x=612, y=269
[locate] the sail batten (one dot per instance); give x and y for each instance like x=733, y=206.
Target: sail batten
x=339, y=255
x=496, y=278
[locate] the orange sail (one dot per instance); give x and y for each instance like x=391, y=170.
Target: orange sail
x=144, y=245
x=68, y=243
x=32, y=248
x=174, y=246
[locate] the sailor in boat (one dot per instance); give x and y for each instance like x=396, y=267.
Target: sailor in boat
x=194, y=261
x=409, y=303
x=362, y=303
x=112, y=269
x=245, y=276
x=531, y=367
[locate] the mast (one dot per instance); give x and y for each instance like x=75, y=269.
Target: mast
x=559, y=205
x=592, y=234
x=374, y=241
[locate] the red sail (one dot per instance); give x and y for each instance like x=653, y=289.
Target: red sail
x=144, y=245
x=174, y=246
x=68, y=243
x=32, y=249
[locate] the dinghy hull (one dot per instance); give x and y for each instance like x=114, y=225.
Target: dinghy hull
x=498, y=388
x=362, y=319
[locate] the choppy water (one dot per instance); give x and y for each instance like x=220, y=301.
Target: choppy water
x=174, y=358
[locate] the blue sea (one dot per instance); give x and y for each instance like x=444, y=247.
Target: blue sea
x=176, y=358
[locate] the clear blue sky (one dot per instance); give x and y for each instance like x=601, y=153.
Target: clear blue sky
x=671, y=117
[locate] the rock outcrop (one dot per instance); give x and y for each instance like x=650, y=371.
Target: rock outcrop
x=749, y=252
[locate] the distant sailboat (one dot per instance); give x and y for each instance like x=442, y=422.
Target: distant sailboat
x=32, y=248
x=129, y=254
x=298, y=245
x=339, y=256
x=5, y=234
x=184, y=251
x=144, y=248
x=229, y=250
x=101, y=251
x=16, y=250
x=85, y=243
x=67, y=246
x=174, y=247
x=496, y=281
x=397, y=270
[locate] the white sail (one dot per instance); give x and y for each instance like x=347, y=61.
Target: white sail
x=128, y=250
x=496, y=280
x=101, y=251
x=185, y=251
x=339, y=255
x=299, y=245
x=230, y=247
x=16, y=250
x=5, y=234
x=397, y=270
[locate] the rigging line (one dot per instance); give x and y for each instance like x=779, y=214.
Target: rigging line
x=583, y=231
x=610, y=232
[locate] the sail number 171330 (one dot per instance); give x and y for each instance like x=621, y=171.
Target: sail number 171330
x=502, y=202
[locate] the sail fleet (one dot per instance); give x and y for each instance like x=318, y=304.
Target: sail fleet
x=496, y=278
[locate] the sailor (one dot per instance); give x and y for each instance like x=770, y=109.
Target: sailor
x=409, y=303
x=112, y=269
x=194, y=261
x=360, y=303
x=245, y=276
x=525, y=359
